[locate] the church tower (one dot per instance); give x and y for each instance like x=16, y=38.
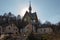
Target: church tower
x=30, y=8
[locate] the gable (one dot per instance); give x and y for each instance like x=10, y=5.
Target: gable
x=33, y=16
x=26, y=17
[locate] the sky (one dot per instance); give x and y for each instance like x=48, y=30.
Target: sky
x=47, y=10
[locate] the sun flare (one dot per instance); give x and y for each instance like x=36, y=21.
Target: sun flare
x=23, y=11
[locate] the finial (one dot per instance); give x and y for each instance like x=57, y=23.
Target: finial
x=30, y=8
x=30, y=3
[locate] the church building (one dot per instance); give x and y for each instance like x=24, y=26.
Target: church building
x=30, y=17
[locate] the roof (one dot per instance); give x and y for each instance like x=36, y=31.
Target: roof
x=44, y=26
x=32, y=15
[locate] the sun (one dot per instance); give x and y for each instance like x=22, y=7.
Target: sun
x=23, y=11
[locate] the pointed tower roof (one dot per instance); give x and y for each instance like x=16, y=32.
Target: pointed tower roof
x=30, y=8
